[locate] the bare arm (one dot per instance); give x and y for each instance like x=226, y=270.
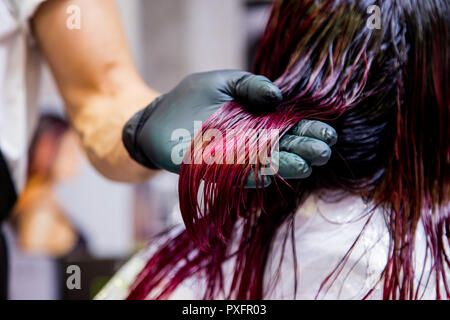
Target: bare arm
x=97, y=79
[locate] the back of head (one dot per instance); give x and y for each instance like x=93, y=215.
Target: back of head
x=385, y=92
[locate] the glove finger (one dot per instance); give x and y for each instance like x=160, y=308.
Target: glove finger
x=291, y=166
x=316, y=129
x=315, y=151
x=251, y=181
x=254, y=89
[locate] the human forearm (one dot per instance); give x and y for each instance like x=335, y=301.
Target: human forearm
x=99, y=120
x=97, y=79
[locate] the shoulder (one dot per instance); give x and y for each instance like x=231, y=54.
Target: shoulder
x=341, y=247
x=342, y=239
x=119, y=285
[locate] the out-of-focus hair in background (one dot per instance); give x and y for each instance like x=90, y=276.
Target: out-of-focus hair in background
x=40, y=223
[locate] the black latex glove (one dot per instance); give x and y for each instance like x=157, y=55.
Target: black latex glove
x=148, y=134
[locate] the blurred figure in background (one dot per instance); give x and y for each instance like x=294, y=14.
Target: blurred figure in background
x=39, y=221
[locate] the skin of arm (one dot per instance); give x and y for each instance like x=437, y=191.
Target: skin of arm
x=97, y=79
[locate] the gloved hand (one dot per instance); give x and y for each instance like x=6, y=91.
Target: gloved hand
x=148, y=134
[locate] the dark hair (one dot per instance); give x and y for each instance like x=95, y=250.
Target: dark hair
x=50, y=128
x=385, y=91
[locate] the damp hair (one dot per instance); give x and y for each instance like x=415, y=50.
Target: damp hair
x=385, y=91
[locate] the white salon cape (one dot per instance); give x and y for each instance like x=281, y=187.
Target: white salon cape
x=19, y=84
x=324, y=232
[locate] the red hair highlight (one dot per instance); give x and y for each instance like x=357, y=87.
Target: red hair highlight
x=372, y=86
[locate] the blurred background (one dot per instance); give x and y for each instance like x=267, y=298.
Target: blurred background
x=69, y=214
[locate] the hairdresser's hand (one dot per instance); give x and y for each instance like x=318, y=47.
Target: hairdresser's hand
x=148, y=135
x=307, y=144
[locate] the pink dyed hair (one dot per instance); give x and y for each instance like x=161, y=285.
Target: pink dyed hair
x=385, y=92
